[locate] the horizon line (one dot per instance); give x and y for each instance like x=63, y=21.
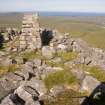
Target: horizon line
x=53, y=11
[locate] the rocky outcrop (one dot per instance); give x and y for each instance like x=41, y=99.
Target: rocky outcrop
x=25, y=86
x=8, y=84
x=89, y=55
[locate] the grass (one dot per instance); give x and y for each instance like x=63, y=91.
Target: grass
x=98, y=73
x=11, y=20
x=94, y=71
x=13, y=67
x=87, y=28
x=6, y=69
x=67, y=56
x=83, y=67
x=63, y=77
x=3, y=70
x=31, y=55
x=65, y=98
x=54, y=64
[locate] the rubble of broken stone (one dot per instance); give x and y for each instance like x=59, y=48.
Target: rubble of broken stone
x=86, y=54
x=26, y=84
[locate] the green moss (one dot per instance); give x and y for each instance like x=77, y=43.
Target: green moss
x=59, y=78
x=98, y=73
x=67, y=56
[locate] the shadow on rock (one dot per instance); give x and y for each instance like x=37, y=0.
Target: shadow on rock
x=1, y=40
x=97, y=97
x=46, y=37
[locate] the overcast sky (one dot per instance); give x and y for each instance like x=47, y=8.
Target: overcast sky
x=53, y=5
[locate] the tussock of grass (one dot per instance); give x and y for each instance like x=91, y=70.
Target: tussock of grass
x=3, y=70
x=65, y=98
x=94, y=71
x=54, y=64
x=31, y=55
x=13, y=67
x=6, y=69
x=83, y=67
x=97, y=73
x=67, y=56
x=59, y=78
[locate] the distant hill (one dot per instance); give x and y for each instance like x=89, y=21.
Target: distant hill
x=11, y=19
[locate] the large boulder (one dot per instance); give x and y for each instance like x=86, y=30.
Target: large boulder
x=48, y=52
x=11, y=81
x=3, y=92
x=23, y=73
x=38, y=85
x=26, y=93
x=28, y=67
x=89, y=84
x=8, y=83
x=7, y=101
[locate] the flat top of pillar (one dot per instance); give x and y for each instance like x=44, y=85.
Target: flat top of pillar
x=33, y=13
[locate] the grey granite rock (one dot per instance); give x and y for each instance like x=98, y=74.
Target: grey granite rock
x=89, y=84
x=48, y=52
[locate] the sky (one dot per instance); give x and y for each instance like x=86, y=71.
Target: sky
x=53, y=5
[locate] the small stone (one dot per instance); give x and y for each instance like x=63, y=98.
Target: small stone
x=56, y=90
